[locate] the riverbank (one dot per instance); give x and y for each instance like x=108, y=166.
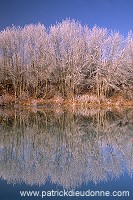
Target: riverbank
x=86, y=100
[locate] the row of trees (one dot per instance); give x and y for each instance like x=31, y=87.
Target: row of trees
x=67, y=59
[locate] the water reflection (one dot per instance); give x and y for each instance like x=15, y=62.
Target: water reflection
x=66, y=147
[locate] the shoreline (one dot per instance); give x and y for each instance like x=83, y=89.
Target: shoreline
x=85, y=101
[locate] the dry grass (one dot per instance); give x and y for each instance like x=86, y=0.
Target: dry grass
x=86, y=100
x=7, y=100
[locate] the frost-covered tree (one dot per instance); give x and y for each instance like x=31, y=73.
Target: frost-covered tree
x=68, y=47
x=67, y=59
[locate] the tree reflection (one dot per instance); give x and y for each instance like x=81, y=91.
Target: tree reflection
x=67, y=147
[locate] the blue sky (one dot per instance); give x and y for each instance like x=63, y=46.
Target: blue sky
x=112, y=14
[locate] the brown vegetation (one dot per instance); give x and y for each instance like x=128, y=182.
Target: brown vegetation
x=88, y=101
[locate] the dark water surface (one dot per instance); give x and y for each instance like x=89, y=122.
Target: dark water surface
x=66, y=150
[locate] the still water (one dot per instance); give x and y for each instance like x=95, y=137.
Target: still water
x=72, y=150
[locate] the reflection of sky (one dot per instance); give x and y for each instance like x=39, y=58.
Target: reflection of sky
x=115, y=152
x=124, y=183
